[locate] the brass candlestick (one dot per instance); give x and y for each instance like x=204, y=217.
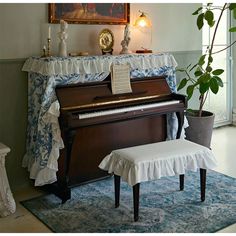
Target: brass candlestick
x=49, y=48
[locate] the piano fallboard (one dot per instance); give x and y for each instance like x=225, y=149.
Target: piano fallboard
x=94, y=95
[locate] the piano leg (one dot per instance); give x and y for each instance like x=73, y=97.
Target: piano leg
x=61, y=188
x=180, y=116
x=63, y=192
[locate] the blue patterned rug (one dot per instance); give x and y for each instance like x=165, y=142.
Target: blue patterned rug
x=163, y=208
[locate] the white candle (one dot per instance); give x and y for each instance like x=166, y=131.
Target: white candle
x=49, y=32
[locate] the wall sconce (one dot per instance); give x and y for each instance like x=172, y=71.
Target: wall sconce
x=143, y=22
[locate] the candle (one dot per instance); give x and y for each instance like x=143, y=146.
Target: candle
x=49, y=32
x=44, y=47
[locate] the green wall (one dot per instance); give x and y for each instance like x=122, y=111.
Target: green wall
x=24, y=29
x=13, y=118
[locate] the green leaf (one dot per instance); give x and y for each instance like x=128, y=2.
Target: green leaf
x=210, y=59
x=200, y=21
x=233, y=29
x=209, y=17
x=208, y=4
x=182, y=84
x=219, y=81
x=198, y=73
x=204, y=87
x=217, y=72
x=209, y=69
x=196, y=12
x=201, y=60
x=207, y=78
x=189, y=91
x=211, y=24
x=204, y=78
x=232, y=6
x=214, y=86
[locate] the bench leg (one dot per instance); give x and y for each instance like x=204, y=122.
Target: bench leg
x=181, y=182
x=203, y=183
x=136, y=200
x=117, y=190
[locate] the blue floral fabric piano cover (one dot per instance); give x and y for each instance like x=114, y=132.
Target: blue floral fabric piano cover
x=44, y=74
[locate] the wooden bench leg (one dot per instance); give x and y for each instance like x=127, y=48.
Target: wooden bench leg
x=136, y=200
x=181, y=182
x=203, y=183
x=117, y=190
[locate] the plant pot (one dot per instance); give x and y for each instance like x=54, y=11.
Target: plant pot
x=200, y=128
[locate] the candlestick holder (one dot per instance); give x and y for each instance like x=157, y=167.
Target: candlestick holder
x=49, y=48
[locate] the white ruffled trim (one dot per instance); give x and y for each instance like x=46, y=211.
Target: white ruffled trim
x=52, y=117
x=47, y=175
x=141, y=171
x=95, y=64
x=41, y=176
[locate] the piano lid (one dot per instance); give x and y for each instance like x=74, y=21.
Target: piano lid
x=99, y=95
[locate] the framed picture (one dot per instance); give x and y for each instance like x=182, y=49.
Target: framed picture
x=89, y=13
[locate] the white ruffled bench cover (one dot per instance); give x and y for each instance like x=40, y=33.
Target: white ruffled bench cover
x=153, y=161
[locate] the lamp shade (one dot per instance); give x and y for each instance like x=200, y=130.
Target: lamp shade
x=142, y=21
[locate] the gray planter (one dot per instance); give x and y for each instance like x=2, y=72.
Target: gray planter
x=200, y=128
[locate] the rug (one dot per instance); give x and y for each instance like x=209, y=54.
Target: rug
x=163, y=208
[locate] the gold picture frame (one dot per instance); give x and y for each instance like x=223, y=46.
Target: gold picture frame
x=89, y=13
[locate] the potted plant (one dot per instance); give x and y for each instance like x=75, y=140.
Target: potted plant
x=203, y=78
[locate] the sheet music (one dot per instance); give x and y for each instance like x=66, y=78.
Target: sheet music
x=120, y=79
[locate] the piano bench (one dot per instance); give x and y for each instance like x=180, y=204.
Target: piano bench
x=153, y=161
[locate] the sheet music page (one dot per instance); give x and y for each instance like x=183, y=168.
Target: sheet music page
x=120, y=79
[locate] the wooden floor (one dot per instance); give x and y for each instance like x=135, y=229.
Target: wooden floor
x=223, y=146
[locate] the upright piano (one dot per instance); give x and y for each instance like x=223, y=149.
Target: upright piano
x=93, y=122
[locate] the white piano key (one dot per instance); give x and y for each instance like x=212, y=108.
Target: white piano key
x=125, y=109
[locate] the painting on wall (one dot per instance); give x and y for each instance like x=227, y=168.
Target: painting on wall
x=89, y=13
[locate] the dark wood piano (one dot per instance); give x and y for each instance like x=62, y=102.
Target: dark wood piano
x=94, y=122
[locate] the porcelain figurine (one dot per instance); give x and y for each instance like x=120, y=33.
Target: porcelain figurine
x=63, y=36
x=126, y=40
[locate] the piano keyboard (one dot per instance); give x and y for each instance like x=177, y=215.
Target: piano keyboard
x=126, y=109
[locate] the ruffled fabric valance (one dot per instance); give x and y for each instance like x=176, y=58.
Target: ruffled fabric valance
x=156, y=160
x=51, y=66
